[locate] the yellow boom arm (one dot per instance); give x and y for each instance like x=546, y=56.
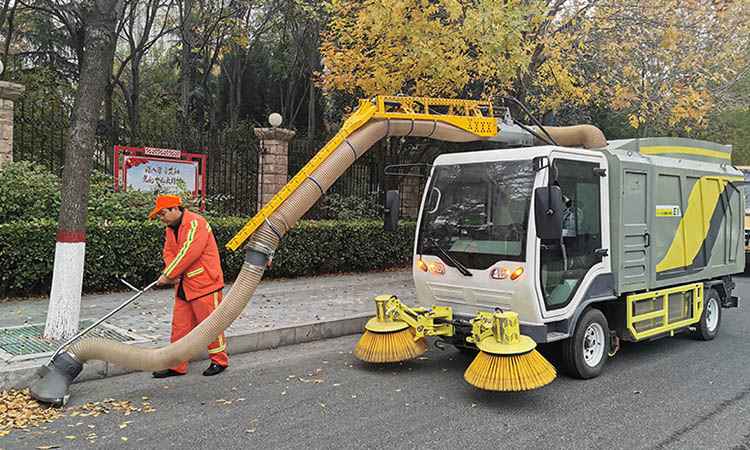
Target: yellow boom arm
x=474, y=116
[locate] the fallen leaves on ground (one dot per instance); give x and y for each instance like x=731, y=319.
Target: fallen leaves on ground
x=94, y=409
x=18, y=410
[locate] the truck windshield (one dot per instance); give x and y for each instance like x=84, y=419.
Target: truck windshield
x=478, y=212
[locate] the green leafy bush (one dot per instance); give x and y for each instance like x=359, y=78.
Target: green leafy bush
x=31, y=192
x=107, y=205
x=28, y=191
x=133, y=250
x=338, y=207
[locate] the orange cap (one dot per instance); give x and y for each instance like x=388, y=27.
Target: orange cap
x=164, y=201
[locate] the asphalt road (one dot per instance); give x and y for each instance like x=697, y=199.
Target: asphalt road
x=673, y=393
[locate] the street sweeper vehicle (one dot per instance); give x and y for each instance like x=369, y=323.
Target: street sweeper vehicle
x=634, y=240
x=577, y=240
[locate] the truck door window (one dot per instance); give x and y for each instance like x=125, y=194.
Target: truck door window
x=565, y=261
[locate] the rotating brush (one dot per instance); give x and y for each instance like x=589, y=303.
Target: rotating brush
x=386, y=340
x=507, y=360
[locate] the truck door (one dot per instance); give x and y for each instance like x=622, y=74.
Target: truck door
x=636, y=241
x=564, y=262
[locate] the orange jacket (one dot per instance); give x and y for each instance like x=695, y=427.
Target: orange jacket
x=194, y=256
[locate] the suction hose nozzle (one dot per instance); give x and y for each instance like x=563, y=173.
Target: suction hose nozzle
x=54, y=379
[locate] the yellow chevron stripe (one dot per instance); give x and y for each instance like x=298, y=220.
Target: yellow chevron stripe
x=658, y=150
x=222, y=345
x=184, y=249
x=695, y=223
x=195, y=272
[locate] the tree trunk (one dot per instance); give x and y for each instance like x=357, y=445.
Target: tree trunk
x=311, y=122
x=8, y=38
x=186, y=60
x=134, y=107
x=98, y=22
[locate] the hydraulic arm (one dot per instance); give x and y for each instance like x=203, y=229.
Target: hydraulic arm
x=473, y=116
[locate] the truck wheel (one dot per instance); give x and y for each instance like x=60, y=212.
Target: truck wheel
x=708, y=327
x=585, y=353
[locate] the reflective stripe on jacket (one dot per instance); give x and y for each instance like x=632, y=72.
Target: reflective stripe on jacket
x=194, y=256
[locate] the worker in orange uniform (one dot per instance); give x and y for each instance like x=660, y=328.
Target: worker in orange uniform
x=191, y=261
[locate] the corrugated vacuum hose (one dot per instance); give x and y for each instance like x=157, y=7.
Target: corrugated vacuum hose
x=55, y=377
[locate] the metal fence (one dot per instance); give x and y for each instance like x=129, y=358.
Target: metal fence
x=41, y=133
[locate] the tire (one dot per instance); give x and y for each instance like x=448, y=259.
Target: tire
x=586, y=352
x=708, y=327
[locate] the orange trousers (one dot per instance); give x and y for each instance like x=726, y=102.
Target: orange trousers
x=187, y=315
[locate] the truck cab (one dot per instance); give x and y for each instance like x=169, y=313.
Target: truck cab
x=477, y=234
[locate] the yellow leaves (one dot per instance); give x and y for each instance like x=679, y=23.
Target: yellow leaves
x=421, y=47
x=669, y=38
x=623, y=97
x=19, y=411
x=690, y=108
x=634, y=121
x=664, y=62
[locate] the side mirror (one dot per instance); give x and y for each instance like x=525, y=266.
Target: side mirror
x=391, y=210
x=548, y=212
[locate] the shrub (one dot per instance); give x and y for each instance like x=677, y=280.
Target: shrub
x=336, y=206
x=31, y=192
x=133, y=250
x=28, y=191
x=106, y=205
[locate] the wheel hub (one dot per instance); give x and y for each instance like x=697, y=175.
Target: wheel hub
x=593, y=344
x=712, y=314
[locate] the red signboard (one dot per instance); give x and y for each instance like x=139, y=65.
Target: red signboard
x=165, y=170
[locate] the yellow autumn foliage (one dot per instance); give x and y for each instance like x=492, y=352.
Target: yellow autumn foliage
x=423, y=47
x=663, y=64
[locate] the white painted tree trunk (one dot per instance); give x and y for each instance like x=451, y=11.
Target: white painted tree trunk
x=64, y=308
x=95, y=56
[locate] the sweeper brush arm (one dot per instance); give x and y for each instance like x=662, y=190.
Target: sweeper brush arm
x=440, y=119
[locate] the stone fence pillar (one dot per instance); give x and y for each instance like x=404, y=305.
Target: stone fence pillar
x=9, y=93
x=273, y=167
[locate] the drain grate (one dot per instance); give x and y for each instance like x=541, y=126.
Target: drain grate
x=25, y=342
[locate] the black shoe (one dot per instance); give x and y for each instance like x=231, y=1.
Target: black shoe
x=213, y=369
x=166, y=373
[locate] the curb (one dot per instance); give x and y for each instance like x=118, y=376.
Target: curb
x=23, y=373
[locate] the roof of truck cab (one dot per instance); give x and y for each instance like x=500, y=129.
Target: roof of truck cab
x=677, y=148
x=505, y=154
x=661, y=151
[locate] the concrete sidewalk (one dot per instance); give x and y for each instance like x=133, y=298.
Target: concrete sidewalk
x=282, y=312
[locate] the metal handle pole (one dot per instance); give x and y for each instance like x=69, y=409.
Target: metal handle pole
x=95, y=324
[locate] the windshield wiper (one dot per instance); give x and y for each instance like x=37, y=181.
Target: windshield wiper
x=461, y=268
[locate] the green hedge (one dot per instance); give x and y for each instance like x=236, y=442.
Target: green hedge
x=133, y=250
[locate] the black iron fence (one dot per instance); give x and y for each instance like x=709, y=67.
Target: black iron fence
x=41, y=133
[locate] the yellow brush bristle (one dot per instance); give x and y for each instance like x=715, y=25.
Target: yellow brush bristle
x=389, y=347
x=510, y=372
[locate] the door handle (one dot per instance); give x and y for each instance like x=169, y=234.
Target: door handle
x=648, y=239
